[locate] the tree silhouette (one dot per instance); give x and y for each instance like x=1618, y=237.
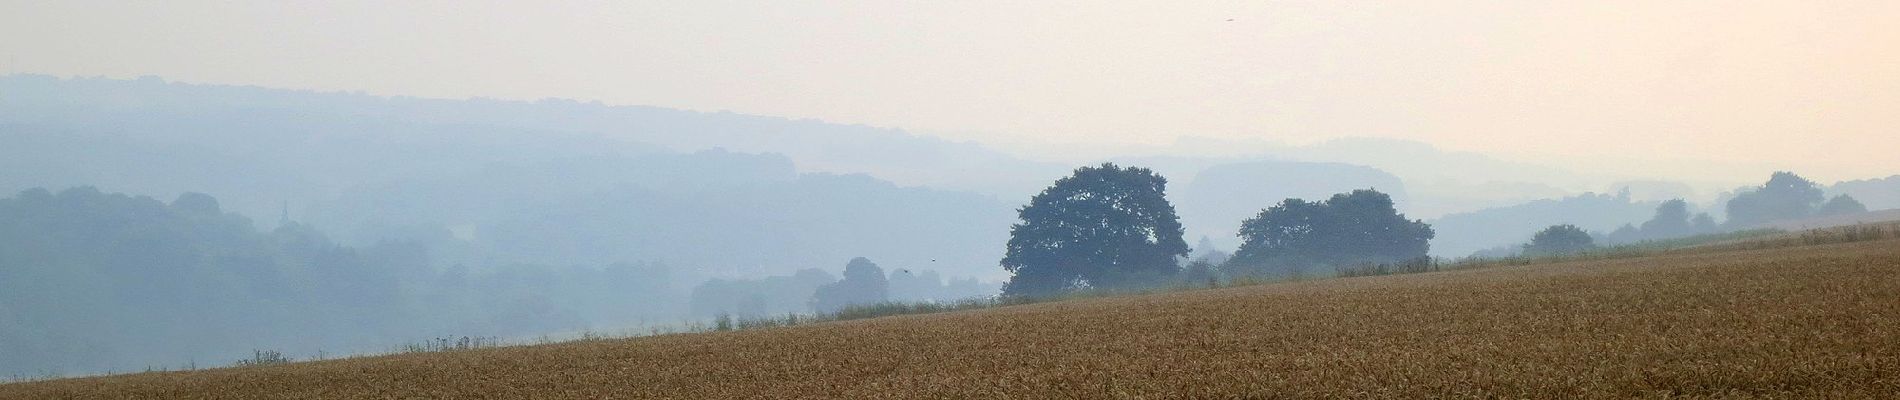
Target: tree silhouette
x=864, y=283
x=1558, y=240
x=1103, y=226
x=1671, y=220
x=1703, y=223
x=1841, y=205
x=1785, y=196
x=1350, y=228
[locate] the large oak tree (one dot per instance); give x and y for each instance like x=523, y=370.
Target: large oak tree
x=1103, y=226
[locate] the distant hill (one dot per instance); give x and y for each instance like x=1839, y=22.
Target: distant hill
x=153, y=110
x=1439, y=181
x=715, y=193
x=1830, y=221
x=1876, y=194
x=1219, y=197
x=1462, y=234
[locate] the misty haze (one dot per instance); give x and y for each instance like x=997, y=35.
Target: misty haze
x=949, y=200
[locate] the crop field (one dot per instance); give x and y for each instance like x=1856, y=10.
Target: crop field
x=1802, y=321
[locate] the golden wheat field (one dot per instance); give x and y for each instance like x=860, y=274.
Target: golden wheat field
x=1810, y=321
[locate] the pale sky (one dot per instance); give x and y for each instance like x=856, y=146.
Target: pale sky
x=1718, y=90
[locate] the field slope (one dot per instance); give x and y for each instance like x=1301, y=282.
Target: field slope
x=1810, y=321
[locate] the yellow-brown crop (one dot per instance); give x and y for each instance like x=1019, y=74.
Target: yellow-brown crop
x=1811, y=321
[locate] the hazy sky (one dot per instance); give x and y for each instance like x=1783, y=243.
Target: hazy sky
x=1642, y=88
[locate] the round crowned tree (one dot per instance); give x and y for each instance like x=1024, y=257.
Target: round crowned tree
x=1841, y=205
x=1103, y=226
x=1360, y=227
x=863, y=284
x=1558, y=240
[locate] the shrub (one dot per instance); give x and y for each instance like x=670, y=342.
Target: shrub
x=264, y=357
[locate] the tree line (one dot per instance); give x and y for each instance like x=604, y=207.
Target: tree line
x=814, y=290
x=1112, y=227
x=1785, y=196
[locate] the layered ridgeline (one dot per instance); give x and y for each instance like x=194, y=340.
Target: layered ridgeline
x=488, y=183
x=563, y=181
x=289, y=129
x=366, y=168
x=554, y=230
x=693, y=214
